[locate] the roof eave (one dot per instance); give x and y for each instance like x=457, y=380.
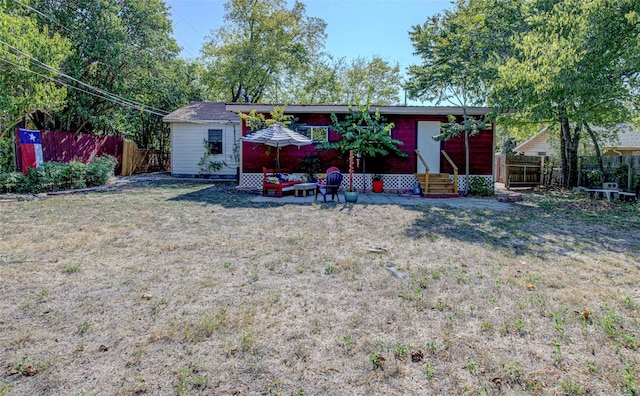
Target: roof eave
x=398, y=110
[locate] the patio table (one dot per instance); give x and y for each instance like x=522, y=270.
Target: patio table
x=304, y=187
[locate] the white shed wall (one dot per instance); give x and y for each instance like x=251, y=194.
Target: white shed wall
x=187, y=147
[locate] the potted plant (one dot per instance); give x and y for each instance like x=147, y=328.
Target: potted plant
x=377, y=183
x=351, y=195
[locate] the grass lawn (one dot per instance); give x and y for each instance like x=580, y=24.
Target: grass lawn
x=185, y=288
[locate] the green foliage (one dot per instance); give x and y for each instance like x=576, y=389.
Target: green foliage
x=6, y=154
x=206, y=164
x=256, y=121
x=100, y=170
x=622, y=173
x=311, y=165
x=453, y=128
x=53, y=176
x=571, y=62
x=365, y=133
x=258, y=41
x=25, y=85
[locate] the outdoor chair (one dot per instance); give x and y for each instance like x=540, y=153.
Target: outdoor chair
x=330, y=185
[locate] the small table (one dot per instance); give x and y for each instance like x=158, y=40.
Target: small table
x=304, y=187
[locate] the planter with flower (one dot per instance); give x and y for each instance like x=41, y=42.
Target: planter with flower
x=377, y=183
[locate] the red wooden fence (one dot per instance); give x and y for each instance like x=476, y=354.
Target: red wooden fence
x=68, y=146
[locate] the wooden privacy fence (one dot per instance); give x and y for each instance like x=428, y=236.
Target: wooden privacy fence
x=60, y=146
x=135, y=160
x=523, y=170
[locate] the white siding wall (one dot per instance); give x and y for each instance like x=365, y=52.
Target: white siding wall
x=536, y=145
x=187, y=147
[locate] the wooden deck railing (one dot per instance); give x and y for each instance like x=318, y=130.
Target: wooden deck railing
x=455, y=170
x=426, y=171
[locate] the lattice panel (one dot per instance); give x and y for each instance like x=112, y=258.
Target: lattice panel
x=253, y=180
x=462, y=179
x=391, y=182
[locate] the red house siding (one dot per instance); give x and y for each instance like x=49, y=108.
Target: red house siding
x=255, y=156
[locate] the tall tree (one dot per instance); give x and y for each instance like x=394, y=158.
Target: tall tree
x=454, y=68
x=259, y=40
x=124, y=62
x=374, y=81
x=28, y=57
x=336, y=81
x=576, y=62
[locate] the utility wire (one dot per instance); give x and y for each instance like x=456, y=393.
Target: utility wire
x=79, y=89
x=44, y=15
x=113, y=97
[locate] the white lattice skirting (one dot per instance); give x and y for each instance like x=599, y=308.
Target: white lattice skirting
x=392, y=183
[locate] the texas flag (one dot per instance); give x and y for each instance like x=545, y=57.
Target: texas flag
x=30, y=149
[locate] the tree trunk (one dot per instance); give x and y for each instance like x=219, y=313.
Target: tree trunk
x=596, y=146
x=569, y=152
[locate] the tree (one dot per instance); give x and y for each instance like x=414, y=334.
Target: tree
x=335, y=81
x=574, y=62
x=366, y=133
x=124, y=73
x=29, y=56
x=454, y=68
x=260, y=40
x=375, y=81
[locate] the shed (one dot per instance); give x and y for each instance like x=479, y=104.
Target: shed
x=204, y=133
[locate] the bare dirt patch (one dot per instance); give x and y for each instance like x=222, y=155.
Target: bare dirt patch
x=185, y=288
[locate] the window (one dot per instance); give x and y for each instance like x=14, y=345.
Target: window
x=215, y=141
x=316, y=133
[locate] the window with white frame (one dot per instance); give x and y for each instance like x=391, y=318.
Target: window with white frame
x=215, y=141
x=317, y=133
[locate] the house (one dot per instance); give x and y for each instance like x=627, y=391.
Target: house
x=204, y=141
x=537, y=145
x=414, y=126
x=625, y=142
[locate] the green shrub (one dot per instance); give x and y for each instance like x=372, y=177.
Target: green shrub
x=100, y=170
x=480, y=186
x=622, y=173
x=52, y=176
x=12, y=182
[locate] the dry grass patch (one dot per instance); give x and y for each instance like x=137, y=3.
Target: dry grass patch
x=184, y=288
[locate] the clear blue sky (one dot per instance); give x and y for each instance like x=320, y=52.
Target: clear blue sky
x=354, y=27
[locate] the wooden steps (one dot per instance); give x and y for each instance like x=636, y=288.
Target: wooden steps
x=440, y=186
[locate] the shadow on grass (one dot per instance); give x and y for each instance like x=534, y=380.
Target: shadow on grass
x=538, y=231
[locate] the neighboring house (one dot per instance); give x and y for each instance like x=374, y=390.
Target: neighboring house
x=201, y=127
x=537, y=145
x=627, y=142
x=414, y=126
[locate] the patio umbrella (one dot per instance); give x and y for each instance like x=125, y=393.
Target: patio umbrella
x=277, y=136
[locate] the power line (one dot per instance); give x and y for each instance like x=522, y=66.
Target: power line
x=78, y=89
x=44, y=15
x=113, y=97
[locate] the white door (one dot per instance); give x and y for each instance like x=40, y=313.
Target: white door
x=429, y=148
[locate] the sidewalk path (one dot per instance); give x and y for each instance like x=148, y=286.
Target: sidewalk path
x=395, y=199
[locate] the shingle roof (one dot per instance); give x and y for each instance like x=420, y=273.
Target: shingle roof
x=201, y=111
x=628, y=136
